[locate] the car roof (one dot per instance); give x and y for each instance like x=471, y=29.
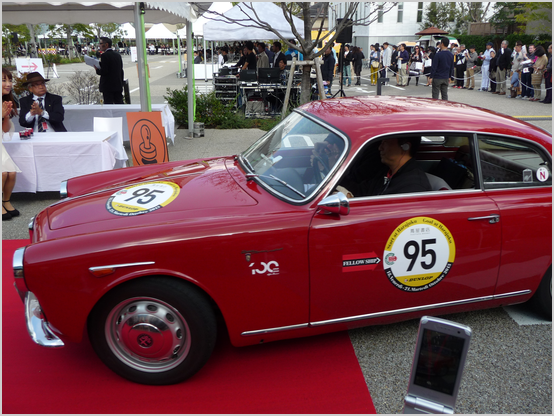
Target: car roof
x=364, y=117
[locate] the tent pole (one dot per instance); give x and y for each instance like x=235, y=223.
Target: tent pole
x=190, y=75
x=205, y=62
x=179, y=52
x=144, y=82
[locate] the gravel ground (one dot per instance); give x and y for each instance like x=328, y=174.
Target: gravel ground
x=509, y=366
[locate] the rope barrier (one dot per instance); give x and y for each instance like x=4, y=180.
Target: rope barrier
x=463, y=79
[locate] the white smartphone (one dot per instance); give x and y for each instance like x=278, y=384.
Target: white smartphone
x=437, y=367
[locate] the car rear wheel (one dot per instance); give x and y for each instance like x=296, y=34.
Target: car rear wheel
x=153, y=331
x=542, y=299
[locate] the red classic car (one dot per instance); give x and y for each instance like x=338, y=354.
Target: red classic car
x=288, y=240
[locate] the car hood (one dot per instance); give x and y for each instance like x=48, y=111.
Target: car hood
x=186, y=191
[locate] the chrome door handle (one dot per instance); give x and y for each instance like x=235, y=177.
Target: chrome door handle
x=493, y=218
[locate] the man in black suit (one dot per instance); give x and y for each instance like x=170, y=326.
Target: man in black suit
x=41, y=110
x=277, y=54
x=111, y=73
x=504, y=62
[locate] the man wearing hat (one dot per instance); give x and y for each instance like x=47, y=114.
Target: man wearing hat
x=41, y=110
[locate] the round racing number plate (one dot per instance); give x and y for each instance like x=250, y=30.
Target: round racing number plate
x=419, y=254
x=142, y=198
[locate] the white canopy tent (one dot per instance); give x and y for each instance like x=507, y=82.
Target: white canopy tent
x=129, y=30
x=92, y=12
x=219, y=7
x=159, y=31
x=115, y=12
x=264, y=12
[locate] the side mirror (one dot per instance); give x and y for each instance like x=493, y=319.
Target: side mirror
x=335, y=204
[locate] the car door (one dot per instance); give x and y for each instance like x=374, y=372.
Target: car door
x=517, y=175
x=405, y=252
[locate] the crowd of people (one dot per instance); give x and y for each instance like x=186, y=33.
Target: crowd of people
x=524, y=67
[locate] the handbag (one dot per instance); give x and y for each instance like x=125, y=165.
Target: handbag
x=419, y=66
x=375, y=64
x=428, y=62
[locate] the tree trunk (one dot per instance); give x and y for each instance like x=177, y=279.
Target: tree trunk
x=306, y=86
x=69, y=42
x=33, y=46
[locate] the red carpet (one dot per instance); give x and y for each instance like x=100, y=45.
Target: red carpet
x=312, y=375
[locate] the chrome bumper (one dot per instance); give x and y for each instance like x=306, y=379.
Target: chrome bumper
x=37, y=326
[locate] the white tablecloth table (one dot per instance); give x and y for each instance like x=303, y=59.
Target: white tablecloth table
x=47, y=159
x=80, y=117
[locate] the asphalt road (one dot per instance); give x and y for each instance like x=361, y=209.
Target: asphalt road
x=509, y=366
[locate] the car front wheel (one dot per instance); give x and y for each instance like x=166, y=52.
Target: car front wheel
x=153, y=331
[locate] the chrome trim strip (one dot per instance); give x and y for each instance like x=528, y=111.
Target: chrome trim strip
x=63, y=189
x=510, y=294
x=271, y=330
x=419, y=308
x=32, y=223
x=117, y=266
x=387, y=313
x=37, y=326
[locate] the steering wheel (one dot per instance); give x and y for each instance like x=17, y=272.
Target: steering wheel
x=315, y=166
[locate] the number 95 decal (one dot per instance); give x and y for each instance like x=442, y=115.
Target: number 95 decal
x=419, y=254
x=142, y=198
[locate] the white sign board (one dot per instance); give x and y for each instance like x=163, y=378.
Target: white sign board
x=29, y=65
x=133, y=54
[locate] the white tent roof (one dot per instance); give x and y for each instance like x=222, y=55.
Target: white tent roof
x=264, y=12
x=198, y=26
x=92, y=12
x=159, y=31
x=130, y=30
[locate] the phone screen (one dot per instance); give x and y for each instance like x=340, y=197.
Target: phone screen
x=438, y=362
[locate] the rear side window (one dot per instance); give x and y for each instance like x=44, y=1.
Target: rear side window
x=511, y=163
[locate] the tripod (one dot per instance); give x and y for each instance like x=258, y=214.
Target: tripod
x=341, y=63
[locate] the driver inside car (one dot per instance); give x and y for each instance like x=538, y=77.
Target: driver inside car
x=400, y=172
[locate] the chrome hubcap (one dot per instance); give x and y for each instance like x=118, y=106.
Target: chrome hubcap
x=148, y=334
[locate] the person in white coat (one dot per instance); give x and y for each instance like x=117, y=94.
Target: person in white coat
x=486, y=56
x=387, y=54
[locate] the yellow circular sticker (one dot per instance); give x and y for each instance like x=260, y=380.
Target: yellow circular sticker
x=142, y=198
x=419, y=254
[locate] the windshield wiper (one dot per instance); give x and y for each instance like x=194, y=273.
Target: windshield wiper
x=250, y=176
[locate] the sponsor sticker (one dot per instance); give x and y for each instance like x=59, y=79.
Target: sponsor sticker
x=419, y=254
x=270, y=268
x=359, y=262
x=543, y=174
x=142, y=198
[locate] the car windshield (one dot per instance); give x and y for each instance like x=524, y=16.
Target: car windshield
x=296, y=158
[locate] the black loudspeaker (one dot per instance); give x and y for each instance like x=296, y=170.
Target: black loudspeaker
x=14, y=37
x=346, y=35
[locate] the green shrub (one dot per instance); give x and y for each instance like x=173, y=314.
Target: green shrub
x=209, y=110
x=214, y=113
x=70, y=61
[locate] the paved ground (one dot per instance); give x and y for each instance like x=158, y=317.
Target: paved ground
x=509, y=368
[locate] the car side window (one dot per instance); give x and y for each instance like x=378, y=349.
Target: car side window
x=512, y=163
x=446, y=160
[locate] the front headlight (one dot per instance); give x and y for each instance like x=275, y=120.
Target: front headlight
x=63, y=190
x=18, y=274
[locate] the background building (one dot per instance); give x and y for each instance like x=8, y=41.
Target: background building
x=398, y=25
